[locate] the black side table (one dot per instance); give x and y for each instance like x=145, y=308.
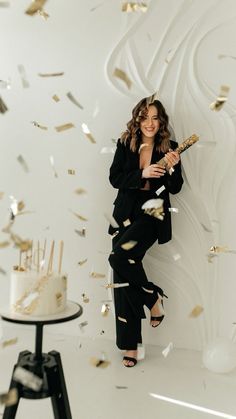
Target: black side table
x=47, y=366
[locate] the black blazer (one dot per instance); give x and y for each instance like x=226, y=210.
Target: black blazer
x=126, y=176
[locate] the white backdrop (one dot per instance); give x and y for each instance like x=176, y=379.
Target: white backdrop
x=174, y=49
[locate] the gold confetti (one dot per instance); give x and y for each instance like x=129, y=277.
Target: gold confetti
x=85, y=298
x=71, y=172
x=81, y=233
x=80, y=191
x=43, y=14
x=51, y=74
x=27, y=378
x=1, y=195
x=51, y=158
x=36, y=124
x=4, y=244
x=10, y=398
x=64, y=127
x=129, y=245
x=101, y=363
x=219, y=249
x=20, y=206
x=81, y=217
x=105, y=310
x=167, y=350
x=73, y=100
x=35, y=6
x=3, y=106
x=82, y=262
x=122, y=319
x=130, y=6
x=2, y=271
x=9, y=342
x=221, y=99
x=154, y=207
x=196, y=311
x=23, y=76
x=23, y=163
x=87, y=132
x=97, y=275
x=56, y=98
x=117, y=285
x=127, y=222
x=120, y=74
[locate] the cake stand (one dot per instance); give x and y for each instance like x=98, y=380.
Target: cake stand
x=47, y=366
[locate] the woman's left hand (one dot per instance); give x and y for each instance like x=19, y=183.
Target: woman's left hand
x=171, y=158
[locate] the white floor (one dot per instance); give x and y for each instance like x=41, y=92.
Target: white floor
x=93, y=392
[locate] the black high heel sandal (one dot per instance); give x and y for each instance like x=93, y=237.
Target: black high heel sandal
x=129, y=358
x=159, y=318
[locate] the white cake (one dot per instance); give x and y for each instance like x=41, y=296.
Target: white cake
x=36, y=293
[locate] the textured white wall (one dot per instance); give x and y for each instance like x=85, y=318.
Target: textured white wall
x=172, y=49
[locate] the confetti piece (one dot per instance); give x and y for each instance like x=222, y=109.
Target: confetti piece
x=196, y=311
x=1, y=195
x=64, y=127
x=81, y=233
x=97, y=275
x=87, y=132
x=167, y=350
x=221, y=249
x=4, y=244
x=160, y=190
x=9, y=342
x=3, y=106
x=96, y=362
x=130, y=6
x=131, y=261
x=171, y=209
x=154, y=207
x=221, y=99
x=107, y=150
x=82, y=262
x=23, y=76
x=5, y=84
x=111, y=220
x=141, y=352
x=80, y=191
x=122, y=319
x=129, y=245
x=43, y=14
x=120, y=74
x=35, y=6
x=82, y=325
x=121, y=387
x=176, y=256
x=127, y=222
x=81, y=217
x=73, y=100
x=51, y=158
x=56, y=98
x=23, y=163
x=51, y=74
x=220, y=56
x=105, y=310
x=27, y=378
x=147, y=290
x=36, y=124
x=96, y=110
x=10, y=398
x=71, y=172
x=85, y=298
x=117, y=285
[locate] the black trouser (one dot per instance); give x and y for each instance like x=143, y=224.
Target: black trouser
x=127, y=267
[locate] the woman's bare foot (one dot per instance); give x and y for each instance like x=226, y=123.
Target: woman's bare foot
x=131, y=354
x=157, y=311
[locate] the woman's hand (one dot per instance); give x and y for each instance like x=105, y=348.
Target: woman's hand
x=154, y=170
x=171, y=158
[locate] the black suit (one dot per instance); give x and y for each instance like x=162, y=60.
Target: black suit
x=126, y=176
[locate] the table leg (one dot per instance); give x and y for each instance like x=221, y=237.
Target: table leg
x=39, y=342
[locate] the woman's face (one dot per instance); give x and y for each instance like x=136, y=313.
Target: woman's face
x=150, y=123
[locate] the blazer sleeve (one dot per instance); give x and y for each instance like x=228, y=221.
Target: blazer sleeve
x=119, y=177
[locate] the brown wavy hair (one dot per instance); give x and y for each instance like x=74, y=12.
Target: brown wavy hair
x=132, y=135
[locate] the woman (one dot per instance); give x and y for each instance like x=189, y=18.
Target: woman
x=137, y=175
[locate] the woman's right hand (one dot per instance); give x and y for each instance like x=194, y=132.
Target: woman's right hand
x=154, y=170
